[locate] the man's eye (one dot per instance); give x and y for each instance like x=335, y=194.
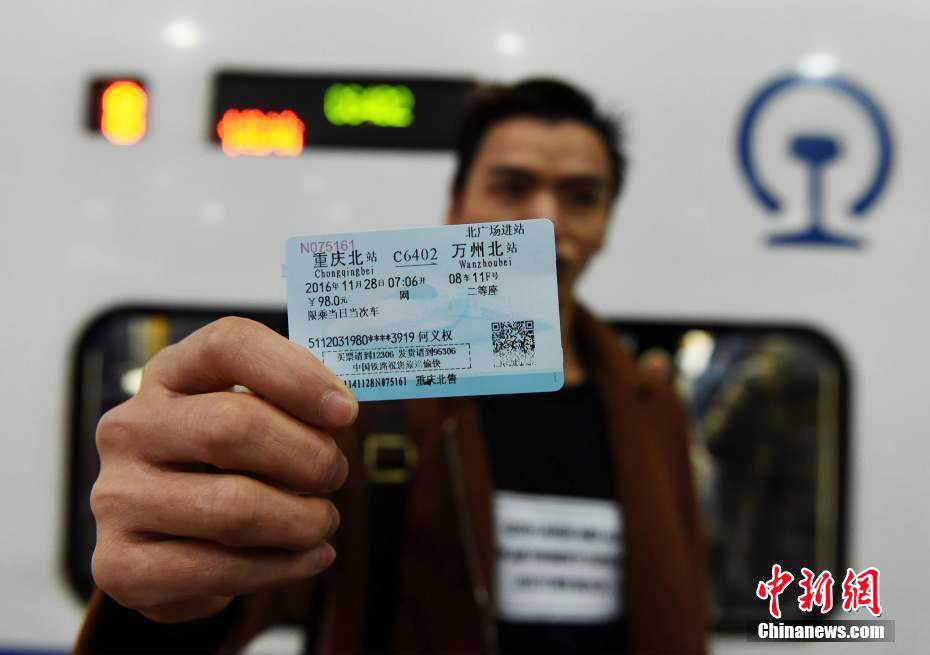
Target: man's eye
x=510, y=189
x=584, y=198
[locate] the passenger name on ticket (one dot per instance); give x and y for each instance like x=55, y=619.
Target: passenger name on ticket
x=456, y=310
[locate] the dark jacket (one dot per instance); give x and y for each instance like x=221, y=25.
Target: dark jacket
x=445, y=598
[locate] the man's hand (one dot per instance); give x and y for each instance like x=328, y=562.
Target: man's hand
x=204, y=493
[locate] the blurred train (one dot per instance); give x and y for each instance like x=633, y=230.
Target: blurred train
x=767, y=253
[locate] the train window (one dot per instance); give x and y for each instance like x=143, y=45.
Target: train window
x=768, y=408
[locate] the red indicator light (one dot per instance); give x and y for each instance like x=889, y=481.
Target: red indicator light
x=123, y=108
x=254, y=132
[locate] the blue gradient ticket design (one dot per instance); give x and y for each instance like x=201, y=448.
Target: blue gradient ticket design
x=457, y=310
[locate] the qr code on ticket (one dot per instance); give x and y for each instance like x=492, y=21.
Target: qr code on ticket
x=514, y=343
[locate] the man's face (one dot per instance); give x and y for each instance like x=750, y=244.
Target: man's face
x=530, y=168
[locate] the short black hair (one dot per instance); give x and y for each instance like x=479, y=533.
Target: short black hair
x=549, y=99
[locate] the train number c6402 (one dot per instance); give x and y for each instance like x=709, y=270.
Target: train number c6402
x=416, y=256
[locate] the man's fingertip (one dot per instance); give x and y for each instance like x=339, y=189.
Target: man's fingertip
x=325, y=555
x=338, y=407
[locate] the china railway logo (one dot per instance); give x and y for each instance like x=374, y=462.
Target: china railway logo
x=816, y=150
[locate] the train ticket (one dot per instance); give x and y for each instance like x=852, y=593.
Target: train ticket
x=457, y=310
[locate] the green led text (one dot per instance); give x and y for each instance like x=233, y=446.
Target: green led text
x=384, y=105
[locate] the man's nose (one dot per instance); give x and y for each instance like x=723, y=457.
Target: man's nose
x=544, y=204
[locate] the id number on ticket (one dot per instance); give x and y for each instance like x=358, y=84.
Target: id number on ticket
x=457, y=310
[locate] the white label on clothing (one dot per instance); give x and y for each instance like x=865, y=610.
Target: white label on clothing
x=558, y=558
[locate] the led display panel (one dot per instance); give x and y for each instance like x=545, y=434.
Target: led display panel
x=118, y=109
x=264, y=114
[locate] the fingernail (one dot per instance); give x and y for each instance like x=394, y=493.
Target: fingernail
x=325, y=555
x=339, y=407
x=337, y=473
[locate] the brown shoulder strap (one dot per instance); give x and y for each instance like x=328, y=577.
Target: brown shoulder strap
x=390, y=457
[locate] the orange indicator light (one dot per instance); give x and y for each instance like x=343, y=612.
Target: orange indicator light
x=254, y=132
x=123, y=112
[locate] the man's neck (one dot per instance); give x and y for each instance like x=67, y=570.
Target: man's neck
x=574, y=371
